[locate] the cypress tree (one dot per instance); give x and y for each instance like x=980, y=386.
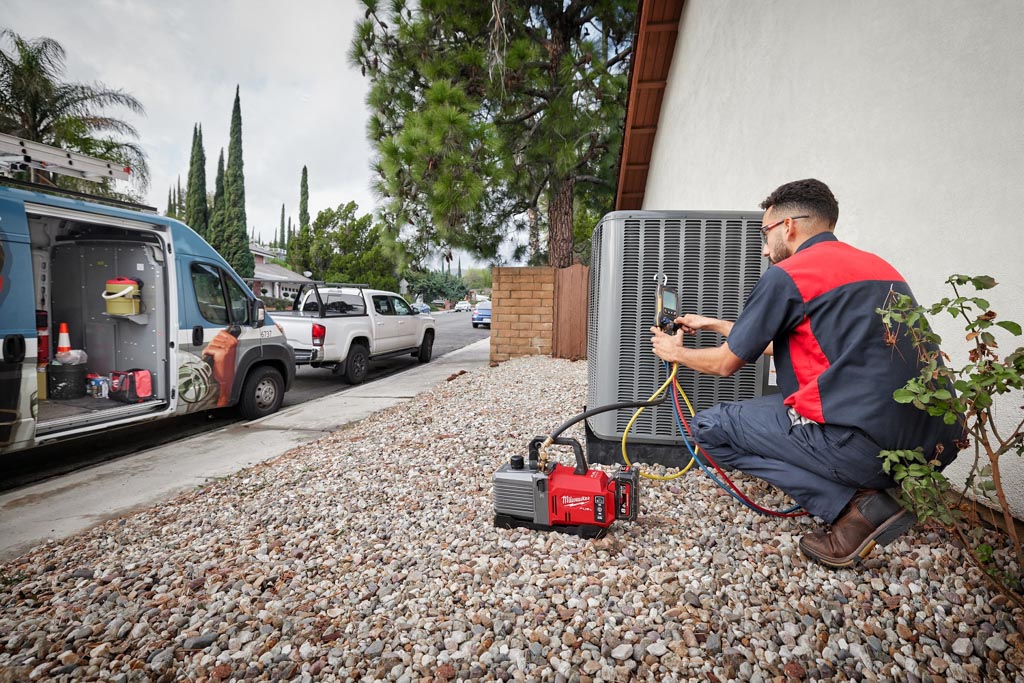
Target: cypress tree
x=299, y=246
x=195, y=201
x=304, y=201
x=179, y=201
x=282, y=239
x=170, y=203
x=236, y=243
x=215, y=231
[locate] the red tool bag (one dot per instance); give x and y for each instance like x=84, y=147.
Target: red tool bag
x=131, y=386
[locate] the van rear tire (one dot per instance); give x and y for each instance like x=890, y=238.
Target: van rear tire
x=262, y=393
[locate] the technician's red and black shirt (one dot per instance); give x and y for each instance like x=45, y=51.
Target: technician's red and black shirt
x=835, y=362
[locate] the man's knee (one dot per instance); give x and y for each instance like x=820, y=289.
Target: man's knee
x=707, y=428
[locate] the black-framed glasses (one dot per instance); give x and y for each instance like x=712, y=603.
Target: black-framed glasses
x=766, y=228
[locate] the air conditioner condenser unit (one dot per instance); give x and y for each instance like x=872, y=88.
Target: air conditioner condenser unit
x=712, y=260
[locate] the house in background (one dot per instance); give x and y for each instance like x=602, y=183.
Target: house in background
x=279, y=282
x=912, y=112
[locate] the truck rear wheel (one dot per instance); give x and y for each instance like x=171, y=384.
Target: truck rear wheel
x=357, y=364
x=426, y=347
x=262, y=393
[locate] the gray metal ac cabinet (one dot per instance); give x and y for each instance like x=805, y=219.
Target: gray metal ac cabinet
x=713, y=260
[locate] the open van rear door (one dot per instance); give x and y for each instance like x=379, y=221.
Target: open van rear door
x=18, y=350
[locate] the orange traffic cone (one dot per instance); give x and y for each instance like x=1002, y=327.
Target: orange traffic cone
x=64, y=340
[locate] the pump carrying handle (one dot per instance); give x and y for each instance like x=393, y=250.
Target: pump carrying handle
x=577, y=449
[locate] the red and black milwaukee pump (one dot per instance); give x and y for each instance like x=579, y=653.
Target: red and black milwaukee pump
x=536, y=494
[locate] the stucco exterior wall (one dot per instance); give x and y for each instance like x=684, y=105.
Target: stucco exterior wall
x=912, y=112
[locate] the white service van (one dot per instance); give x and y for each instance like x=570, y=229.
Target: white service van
x=185, y=325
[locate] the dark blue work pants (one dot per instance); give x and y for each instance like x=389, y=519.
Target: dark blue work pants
x=819, y=466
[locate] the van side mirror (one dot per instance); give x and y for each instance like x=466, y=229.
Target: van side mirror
x=258, y=313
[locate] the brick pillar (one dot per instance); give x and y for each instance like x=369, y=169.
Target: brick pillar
x=522, y=312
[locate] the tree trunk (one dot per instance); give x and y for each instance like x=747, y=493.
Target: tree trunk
x=534, y=220
x=560, y=224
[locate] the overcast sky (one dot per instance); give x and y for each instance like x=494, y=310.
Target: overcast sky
x=302, y=104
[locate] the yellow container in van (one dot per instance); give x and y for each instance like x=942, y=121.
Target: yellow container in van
x=122, y=296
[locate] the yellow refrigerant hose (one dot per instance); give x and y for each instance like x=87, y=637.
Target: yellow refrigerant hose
x=668, y=383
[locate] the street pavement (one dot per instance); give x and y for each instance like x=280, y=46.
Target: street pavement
x=65, y=505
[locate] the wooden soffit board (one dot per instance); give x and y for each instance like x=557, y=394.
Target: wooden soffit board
x=654, y=44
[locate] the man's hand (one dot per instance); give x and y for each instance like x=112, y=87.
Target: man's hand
x=691, y=322
x=717, y=361
x=665, y=346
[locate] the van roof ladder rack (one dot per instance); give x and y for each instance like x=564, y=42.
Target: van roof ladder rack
x=19, y=155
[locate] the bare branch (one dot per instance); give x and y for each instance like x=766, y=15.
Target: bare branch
x=619, y=57
x=593, y=180
x=521, y=117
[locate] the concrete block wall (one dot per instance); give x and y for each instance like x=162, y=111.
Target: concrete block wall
x=522, y=301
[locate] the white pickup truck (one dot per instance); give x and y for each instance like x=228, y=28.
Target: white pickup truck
x=344, y=327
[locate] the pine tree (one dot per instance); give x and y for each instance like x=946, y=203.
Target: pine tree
x=215, y=231
x=236, y=244
x=170, y=203
x=195, y=201
x=482, y=112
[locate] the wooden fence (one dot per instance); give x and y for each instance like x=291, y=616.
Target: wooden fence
x=572, y=291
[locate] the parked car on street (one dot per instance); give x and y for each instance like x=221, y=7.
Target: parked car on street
x=482, y=314
x=421, y=307
x=463, y=306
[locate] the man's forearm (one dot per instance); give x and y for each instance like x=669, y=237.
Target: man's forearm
x=722, y=327
x=717, y=361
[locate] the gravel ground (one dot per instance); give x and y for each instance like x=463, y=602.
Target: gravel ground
x=371, y=555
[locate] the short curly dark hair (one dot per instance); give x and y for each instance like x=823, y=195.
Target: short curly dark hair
x=807, y=196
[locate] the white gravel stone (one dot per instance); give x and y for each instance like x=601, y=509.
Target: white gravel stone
x=624, y=651
x=963, y=647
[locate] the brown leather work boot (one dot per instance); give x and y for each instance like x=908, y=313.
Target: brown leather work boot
x=872, y=518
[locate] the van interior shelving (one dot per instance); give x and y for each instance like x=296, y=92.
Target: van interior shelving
x=72, y=261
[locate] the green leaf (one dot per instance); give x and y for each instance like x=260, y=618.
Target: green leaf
x=1010, y=326
x=918, y=470
x=903, y=395
x=983, y=282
